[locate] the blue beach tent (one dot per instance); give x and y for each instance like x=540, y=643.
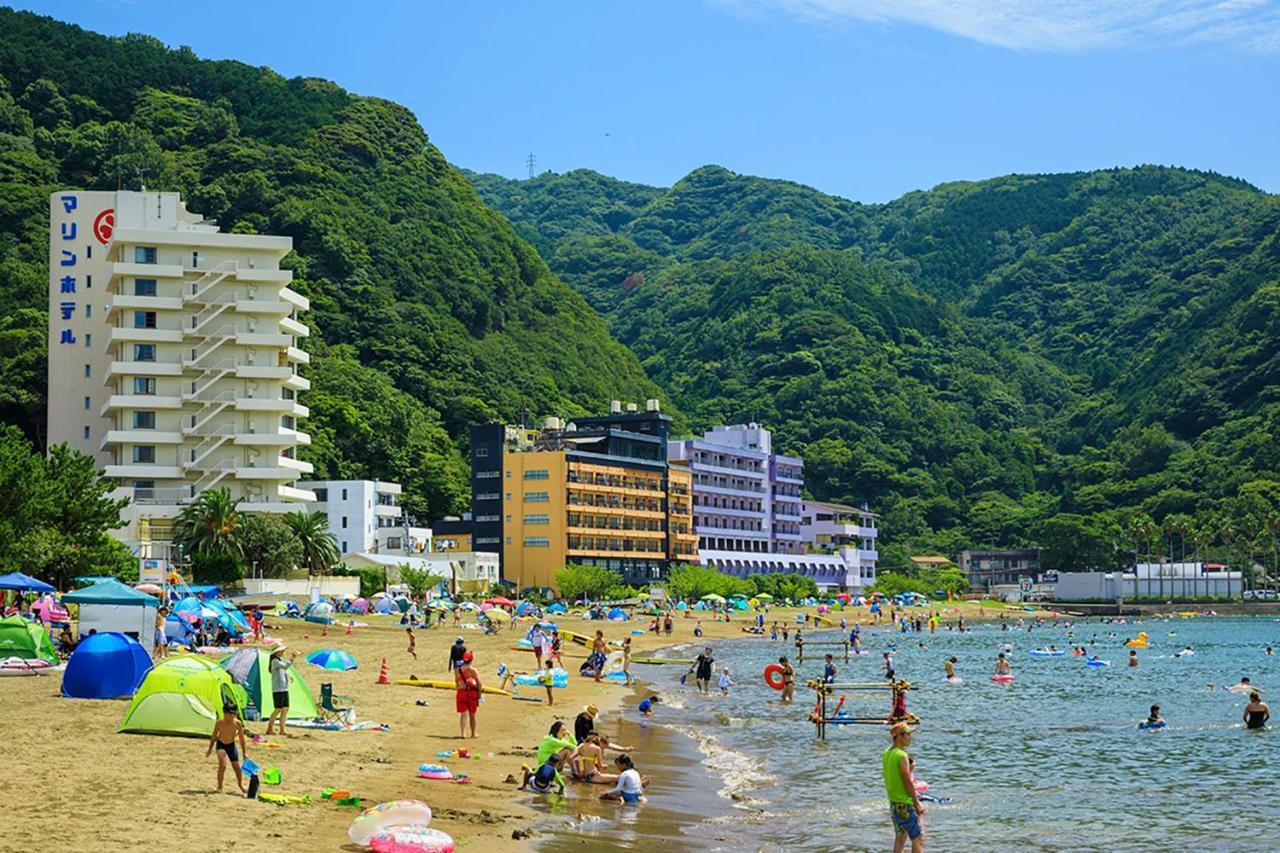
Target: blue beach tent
x=21, y=582
x=109, y=665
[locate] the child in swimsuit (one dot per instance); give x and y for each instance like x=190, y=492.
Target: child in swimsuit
x=545, y=778
x=225, y=732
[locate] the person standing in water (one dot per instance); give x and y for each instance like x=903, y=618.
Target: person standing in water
x=1002, y=665
x=949, y=668
x=1256, y=713
x=904, y=803
x=1133, y=657
x=788, y=681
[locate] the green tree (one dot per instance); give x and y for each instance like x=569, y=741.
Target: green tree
x=319, y=547
x=211, y=524
x=419, y=581
x=269, y=546
x=582, y=582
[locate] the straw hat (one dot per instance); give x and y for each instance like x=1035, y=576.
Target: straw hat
x=280, y=649
x=590, y=710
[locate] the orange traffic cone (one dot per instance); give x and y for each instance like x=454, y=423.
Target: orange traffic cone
x=382, y=673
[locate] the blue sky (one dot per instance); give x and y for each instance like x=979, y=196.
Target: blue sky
x=866, y=99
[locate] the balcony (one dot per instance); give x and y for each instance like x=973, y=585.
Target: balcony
x=295, y=299
x=128, y=334
x=292, y=327
x=129, y=269
x=142, y=368
x=291, y=493
x=722, y=532
x=704, y=509
x=387, y=511
x=139, y=436
x=130, y=302
x=728, y=470
x=144, y=471
x=139, y=401
x=727, y=490
x=296, y=355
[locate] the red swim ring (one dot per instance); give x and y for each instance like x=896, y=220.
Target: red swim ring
x=774, y=676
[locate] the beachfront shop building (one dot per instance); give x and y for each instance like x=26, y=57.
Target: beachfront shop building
x=174, y=358
x=989, y=569
x=1155, y=581
x=590, y=491
x=749, y=515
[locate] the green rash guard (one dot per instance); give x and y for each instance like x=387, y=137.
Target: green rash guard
x=551, y=745
x=894, y=785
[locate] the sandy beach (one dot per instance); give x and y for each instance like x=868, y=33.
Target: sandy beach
x=77, y=785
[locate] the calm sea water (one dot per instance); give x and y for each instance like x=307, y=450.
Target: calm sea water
x=1053, y=761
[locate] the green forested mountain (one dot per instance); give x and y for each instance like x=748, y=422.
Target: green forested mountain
x=429, y=312
x=1086, y=361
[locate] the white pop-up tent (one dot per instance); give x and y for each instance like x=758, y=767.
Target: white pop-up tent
x=112, y=606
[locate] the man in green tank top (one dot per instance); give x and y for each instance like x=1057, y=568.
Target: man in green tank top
x=904, y=802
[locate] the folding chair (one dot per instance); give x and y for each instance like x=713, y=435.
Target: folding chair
x=333, y=706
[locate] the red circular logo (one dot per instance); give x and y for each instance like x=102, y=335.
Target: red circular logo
x=103, y=223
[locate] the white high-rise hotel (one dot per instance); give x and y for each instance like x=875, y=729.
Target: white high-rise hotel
x=173, y=357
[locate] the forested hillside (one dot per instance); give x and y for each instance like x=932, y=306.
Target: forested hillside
x=429, y=312
x=1084, y=361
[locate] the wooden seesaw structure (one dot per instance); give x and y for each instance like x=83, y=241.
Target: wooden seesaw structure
x=821, y=717
x=801, y=643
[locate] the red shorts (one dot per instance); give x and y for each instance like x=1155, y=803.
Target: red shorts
x=467, y=701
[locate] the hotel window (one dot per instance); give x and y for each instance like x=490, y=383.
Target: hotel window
x=536, y=542
x=144, y=254
x=344, y=546
x=488, y=496
x=344, y=497
x=536, y=474
x=144, y=287
x=144, y=453
x=88, y=309
x=86, y=402
x=490, y=540
x=286, y=421
x=144, y=352
x=88, y=282
x=485, y=518
x=536, y=497
x=322, y=495
x=143, y=420
x=344, y=520
x=88, y=340
x=87, y=371
x=144, y=385
x=487, y=475
x=144, y=319
x=537, y=519
x=481, y=452
x=86, y=433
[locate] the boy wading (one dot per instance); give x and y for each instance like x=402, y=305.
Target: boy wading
x=904, y=802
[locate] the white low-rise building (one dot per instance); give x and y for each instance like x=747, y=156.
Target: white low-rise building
x=366, y=516
x=462, y=571
x=838, y=529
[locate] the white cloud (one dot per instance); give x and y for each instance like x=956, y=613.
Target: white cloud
x=1057, y=25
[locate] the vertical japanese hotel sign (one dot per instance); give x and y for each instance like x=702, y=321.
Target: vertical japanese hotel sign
x=80, y=230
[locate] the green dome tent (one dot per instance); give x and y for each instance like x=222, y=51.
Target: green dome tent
x=20, y=638
x=249, y=668
x=181, y=696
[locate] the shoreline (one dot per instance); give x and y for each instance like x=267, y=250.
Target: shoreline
x=172, y=776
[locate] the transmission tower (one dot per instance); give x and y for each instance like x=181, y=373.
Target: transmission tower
x=531, y=162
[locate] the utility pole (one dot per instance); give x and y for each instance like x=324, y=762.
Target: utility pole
x=531, y=162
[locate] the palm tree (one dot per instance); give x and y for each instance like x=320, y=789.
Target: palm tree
x=1178, y=525
x=319, y=547
x=210, y=525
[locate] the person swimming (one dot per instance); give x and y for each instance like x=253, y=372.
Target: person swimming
x=1002, y=665
x=1155, y=719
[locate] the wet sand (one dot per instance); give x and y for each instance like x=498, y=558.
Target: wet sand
x=74, y=784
